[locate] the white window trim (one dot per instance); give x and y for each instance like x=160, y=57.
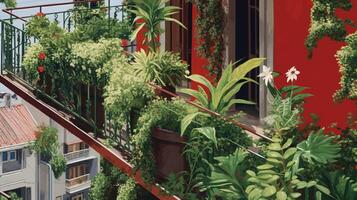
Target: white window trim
x=266, y=48
x=8, y=156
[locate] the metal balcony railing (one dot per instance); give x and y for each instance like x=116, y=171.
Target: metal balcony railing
x=77, y=181
x=77, y=154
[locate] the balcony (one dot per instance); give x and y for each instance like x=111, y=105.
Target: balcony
x=77, y=184
x=76, y=154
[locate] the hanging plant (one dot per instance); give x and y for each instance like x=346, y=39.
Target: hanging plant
x=210, y=26
x=325, y=23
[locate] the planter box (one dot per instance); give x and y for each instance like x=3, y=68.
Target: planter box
x=168, y=150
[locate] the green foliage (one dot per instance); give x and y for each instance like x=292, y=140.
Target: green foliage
x=325, y=23
x=278, y=177
x=41, y=28
x=319, y=148
x=105, y=184
x=219, y=98
x=31, y=61
x=127, y=190
x=210, y=23
x=9, y=3
x=89, y=57
x=46, y=142
x=162, y=68
x=149, y=15
x=348, y=142
x=227, y=179
x=93, y=24
x=125, y=92
x=46, y=145
x=58, y=165
x=347, y=59
x=159, y=113
x=342, y=187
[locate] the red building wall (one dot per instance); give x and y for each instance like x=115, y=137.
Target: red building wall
x=321, y=73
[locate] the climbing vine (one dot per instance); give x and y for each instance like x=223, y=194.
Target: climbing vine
x=325, y=23
x=347, y=59
x=210, y=25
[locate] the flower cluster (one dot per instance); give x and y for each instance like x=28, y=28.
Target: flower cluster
x=40, y=14
x=267, y=75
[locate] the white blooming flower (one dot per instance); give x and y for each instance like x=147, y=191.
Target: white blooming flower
x=267, y=75
x=292, y=74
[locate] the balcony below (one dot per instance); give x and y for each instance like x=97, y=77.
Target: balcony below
x=77, y=184
x=76, y=155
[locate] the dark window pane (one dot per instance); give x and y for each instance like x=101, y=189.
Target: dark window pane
x=4, y=156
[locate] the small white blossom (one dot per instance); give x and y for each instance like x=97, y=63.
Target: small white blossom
x=292, y=74
x=267, y=75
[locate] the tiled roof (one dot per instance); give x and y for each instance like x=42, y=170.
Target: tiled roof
x=17, y=126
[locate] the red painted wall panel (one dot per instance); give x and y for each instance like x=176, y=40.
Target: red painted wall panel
x=321, y=73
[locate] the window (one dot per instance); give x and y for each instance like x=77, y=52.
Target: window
x=77, y=147
x=77, y=171
x=78, y=197
x=9, y=156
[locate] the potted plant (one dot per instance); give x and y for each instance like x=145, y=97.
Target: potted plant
x=158, y=144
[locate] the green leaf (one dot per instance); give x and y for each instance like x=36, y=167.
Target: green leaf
x=202, y=80
x=289, y=152
x=281, y=195
x=265, y=166
x=287, y=144
x=295, y=195
x=187, y=120
x=319, y=148
x=196, y=94
x=251, y=173
x=269, y=191
x=209, y=132
x=323, y=189
x=274, y=154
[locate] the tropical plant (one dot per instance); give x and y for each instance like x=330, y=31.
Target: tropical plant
x=149, y=15
x=13, y=196
x=162, y=68
x=341, y=187
x=279, y=177
x=220, y=98
x=228, y=177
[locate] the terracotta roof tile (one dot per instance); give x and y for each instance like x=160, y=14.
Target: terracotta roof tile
x=17, y=126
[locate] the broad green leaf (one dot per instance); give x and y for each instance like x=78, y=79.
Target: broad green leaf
x=187, y=120
x=274, y=154
x=319, y=148
x=269, y=191
x=323, y=189
x=289, y=152
x=295, y=195
x=209, y=132
x=281, y=195
x=287, y=144
x=243, y=69
x=196, y=94
x=202, y=80
x=237, y=101
x=265, y=166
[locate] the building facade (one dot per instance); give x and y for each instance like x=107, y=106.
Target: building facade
x=24, y=172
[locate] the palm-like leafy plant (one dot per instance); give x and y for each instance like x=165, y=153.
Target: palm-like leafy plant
x=149, y=15
x=162, y=68
x=220, y=98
